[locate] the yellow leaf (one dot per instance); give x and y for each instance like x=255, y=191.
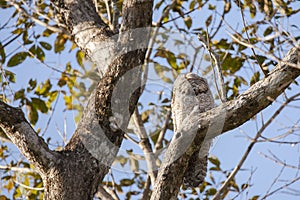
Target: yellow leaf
x=9, y=185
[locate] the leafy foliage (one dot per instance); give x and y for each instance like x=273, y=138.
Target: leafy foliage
x=27, y=43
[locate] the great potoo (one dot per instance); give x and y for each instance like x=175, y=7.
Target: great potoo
x=191, y=94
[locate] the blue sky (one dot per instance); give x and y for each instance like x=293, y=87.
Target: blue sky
x=229, y=148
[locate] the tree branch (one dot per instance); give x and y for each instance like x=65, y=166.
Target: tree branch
x=136, y=14
x=250, y=147
x=19, y=131
x=106, y=116
x=35, y=19
x=85, y=26
x=18, y=169
x=216, y=121
x=145, y=145
x=261, y=94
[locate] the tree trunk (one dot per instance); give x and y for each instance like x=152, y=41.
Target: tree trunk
x=77, y=170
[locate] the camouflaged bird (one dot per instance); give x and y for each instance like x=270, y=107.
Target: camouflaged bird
x=188, y=97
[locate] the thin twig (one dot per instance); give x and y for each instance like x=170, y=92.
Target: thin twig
x=267, y=54
x=113, y=191
x=128, y=137
x=220, y=23
x=145, y=145
x=274, y=139
x=105, y=193
x=161, y=136
x=108, y=11
x=51, y=115
x=252, y=49
x=281, y=187
x=43, y=15
x=215, y=57
x=22, y=10
x=276, y=179
x=3, y=73
x=151, y=44
x=116, y=14
x=197, y=49
x=250, y=147
x=278, y=161
x=146, y=192
x=28, y=187
x=10, y=41
x=186, y=13
x=78, y=74
x=96, y=6
x=18, y=169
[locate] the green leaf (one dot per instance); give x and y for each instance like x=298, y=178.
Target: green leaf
x=234, y=186
x=122, y=160
x=3, y=4
x=227, y=6
x=62, y=81
x=32, y=51
x=243, y=81
x=255, y=78
x=211, y=191
x=17, y=31
x=2, y=54
x=10, y=76
x=192, y=5
x=232, y=63
x=208, y=20
x=126, y=182
x=245, y=186
x=59, y=44
x=17, y=59
x=183, y=65
x=31, y=85
x=268, y=31
x=46, y=45
x=252, y=11
x=68, y=102
x=32, y=113
x=161, y=70
x=44, y=88
x=260, y=59
x=145, y=115
x=80, y=58
x=255, y=197
x=215, y=161
x=223, y=44
x=52, y=96
x=39, y=104
x=25, y=38
x=172, y=60
x=134, y=164
x=188, y=22
x=40, y=54
x=154, y=135
x=211, y=7
x=47, y=33
x=19, y=94
x=157, y=6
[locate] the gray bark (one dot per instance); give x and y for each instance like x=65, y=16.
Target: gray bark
x=75, y=172
x=216, y=121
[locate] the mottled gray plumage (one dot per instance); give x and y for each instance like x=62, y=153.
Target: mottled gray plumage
x=190, y=95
